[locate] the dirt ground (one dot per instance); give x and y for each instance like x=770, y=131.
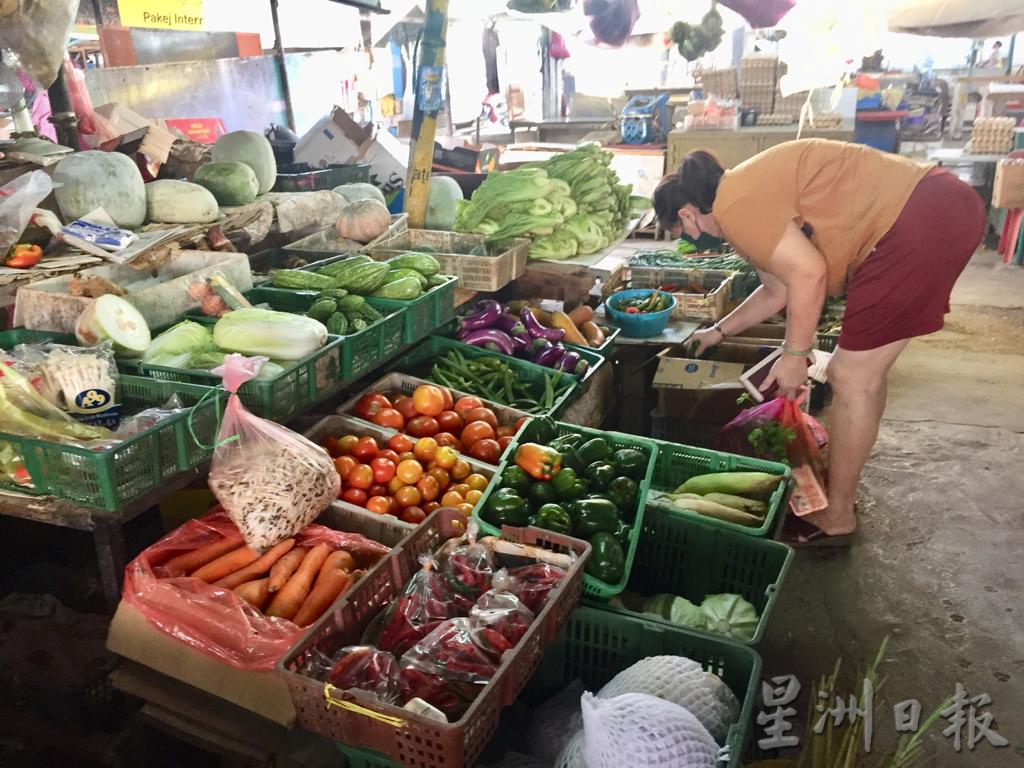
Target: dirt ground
x=937, y=567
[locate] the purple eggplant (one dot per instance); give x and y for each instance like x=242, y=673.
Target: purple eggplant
x=486, y=315
x=492, y=339
x=523, y=345
x=509, y=323
x=573, y=363
x=538, y=331
x=550, y=356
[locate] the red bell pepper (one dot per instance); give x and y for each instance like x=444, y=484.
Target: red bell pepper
x=538, y=461
x=23, y=256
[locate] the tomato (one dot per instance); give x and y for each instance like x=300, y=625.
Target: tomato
x=393, y=506
x=344, y=465
x=449, y=401
x=523, y=420
x=505, y=442
x=428, y=488
x=379, y=505
x=400, y=443
x=482, y=414
x=413, y=515
x=466, y=404
x=360, y=477
x=366, y=449
x=504, y=432
x=473, y=497
x=476, y=430
x=425, y=448
x=390, y=455
x=476, y=482
x=465, y=508
x=486, y=450
x=406, y=407
x=377, y=489
x=330, y=444
x=354, y=496
x=450, y=421
x=451, y=499
x=346, y=444
x=409, y=496
x=441, y=476
x=407, y=456
x=422, y=426
x=394, y=484
x=383, y=469
x=430, y=506
x=447, y=438
x=370, y=403
x=428, y=399
x=462, y=489
x=389, y=417
x=446, y=457
x=409, y=471
x=460, y=470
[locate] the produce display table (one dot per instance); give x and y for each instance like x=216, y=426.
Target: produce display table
x=733, y=147
x=562, y=129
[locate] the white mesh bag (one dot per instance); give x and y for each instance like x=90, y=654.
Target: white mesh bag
x=643, y=731
x=683, y=682
x=572, y=755
x=555, y=722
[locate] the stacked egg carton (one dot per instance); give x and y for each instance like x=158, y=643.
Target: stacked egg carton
x=790, y=105
x=991, y=136
x=720, y=82
x=775, y=118
x=758, y=81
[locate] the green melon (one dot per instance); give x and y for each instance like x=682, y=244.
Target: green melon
x=443, y=195
x=178, y=202
x=250, y=148
x=85, y=181
x=231, y=183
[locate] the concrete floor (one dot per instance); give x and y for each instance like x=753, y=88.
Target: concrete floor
x=939, y=563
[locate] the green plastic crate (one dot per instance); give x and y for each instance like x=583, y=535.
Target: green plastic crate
x=424, y=315
x=596, y=645
x=361, y=351
x=419, y=360
x=607, y=349
x=678, y=463
x=364, y=758
x=11, y=338
x=115, y=476
x=594, y=360
x=593, y=588
x=689, y=558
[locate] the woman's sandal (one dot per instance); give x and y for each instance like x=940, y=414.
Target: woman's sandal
x=800, y=534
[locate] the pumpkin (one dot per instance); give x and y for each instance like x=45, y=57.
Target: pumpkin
x=360, y=190
x=443, y=195
x=363, y=221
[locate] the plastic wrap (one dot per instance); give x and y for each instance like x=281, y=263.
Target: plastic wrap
x=270, y=480
x=18, y=198
x=533, y=583
x=425, y=603
x=498, y=621
x=38, y=31
x=469, y=567
x=213, y=620
x=368, y=669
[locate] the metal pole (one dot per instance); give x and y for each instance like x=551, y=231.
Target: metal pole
x=1009, y=53
x=62, y=114
x=97, y=12
x=279, y=55
x=429, y=101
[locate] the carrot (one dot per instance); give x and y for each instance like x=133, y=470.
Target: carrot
x=289, y=598
x=254, y=592
x=343, y=560
x=197, y=558
x=332, y=580
x=226, y=564
x=581, y=315
x=283, y=569
x=258, y=568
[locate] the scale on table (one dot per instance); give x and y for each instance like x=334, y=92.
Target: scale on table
x=645, y=120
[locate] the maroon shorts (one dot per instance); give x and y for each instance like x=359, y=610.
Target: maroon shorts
x=902, y=289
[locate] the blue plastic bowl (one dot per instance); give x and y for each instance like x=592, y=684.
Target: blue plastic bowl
x=638, y=326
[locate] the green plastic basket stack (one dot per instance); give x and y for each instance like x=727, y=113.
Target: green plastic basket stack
x=593, y=588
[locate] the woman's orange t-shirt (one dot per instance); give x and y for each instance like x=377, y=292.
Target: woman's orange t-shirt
x=850, y=196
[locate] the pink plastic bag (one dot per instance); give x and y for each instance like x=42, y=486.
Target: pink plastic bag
x=270, y=480
x=213, y=620
x=750, y=433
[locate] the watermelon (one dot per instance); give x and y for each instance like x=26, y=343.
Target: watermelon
x=442, y=196
x=360, y=190
x=230, y=182
x=178, y=202
x=85, y=181
x=250, y=148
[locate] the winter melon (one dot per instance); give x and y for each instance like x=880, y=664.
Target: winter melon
x=231, y=183
x=250, y=148
x=360, y=190
x=178, y=202
x=89, y=180
x=443, y=195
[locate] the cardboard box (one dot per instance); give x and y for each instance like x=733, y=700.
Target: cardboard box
x=704, y=391
x=1008, y=187
x=340, y=139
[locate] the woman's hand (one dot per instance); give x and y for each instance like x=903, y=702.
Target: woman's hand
x=789, y=373
x=706, y=338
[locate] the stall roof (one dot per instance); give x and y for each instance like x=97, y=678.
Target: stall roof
x=957, y=18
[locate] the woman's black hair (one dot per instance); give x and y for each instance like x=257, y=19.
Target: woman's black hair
x=695, y=183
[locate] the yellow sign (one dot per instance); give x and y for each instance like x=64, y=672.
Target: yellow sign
x=161, y=14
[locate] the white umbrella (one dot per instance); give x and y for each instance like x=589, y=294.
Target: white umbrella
x=957, y=18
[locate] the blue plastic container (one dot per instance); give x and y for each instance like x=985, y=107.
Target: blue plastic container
x=638, y=326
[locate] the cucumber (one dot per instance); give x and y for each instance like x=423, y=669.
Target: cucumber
x=322, y=308
x=337, y=324
x=297, y=279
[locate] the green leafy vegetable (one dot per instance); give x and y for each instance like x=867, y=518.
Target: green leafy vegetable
x=178, y=343
x=278, y=335
x=730, y=615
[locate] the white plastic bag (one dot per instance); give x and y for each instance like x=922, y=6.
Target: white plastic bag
x=37, y=31
x=18, y=198
x=271, y=481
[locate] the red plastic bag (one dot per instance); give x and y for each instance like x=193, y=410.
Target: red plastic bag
x=213, y=620
x=742, y=436
x=426, y=602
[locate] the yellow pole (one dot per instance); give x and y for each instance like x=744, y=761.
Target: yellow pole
x=429, y=101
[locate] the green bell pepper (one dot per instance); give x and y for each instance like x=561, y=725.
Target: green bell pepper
x=623, y=492
x=622, y=534
x=600, y=474
x=540, y=429
x=516, y=478
x=554, y=518
x=607, y=560
x=566, y=441
x=568, y=485
x=591, y=516
x=631, y=463
x=541, y=493
x=571, y=459
x=596, y=449
x=506, y=507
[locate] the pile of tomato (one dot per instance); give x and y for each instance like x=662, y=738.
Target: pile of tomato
x=466, y=424
x=406, y=478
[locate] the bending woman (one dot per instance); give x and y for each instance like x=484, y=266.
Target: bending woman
x=817, y=218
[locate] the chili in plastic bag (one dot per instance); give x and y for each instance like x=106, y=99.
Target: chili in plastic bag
x=533, y=583
x=426, y=602
x=368, y=669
